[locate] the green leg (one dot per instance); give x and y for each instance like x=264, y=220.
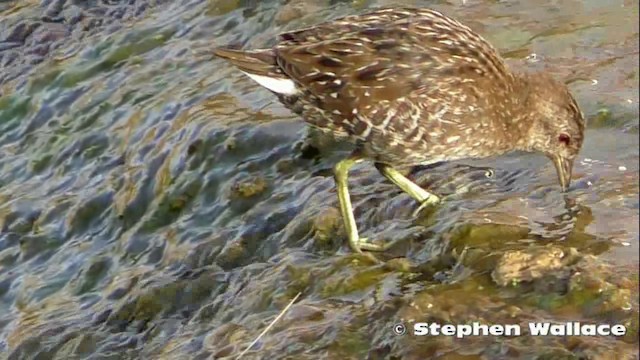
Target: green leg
x=422, y=196
x=358, y=244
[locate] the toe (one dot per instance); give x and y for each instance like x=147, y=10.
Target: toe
x=429, y=202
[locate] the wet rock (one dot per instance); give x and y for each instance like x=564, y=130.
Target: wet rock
x=530, y=264
x=53, y=10
x=89, y=23
x=231, y=143
x=8, y=58
x=248, y=188
x=400, y=264
x=126, y=285
x=49, y=32
x=485, y=236
x=39, y=51
x=21, y=32
x=72, y=14
x=117, y=13
x=55, y=22
x=140, y=8
x=327, y=225
x=285, y=166
x=232, y=254
x=6, y=45
x=632, y=128
x=289, y=12
x=612, y=116
x=602, y=117
x=20, y=222
x=42, y=117
x=97, y=11
x=36, y=59
x=32, y=245
x=294, y=9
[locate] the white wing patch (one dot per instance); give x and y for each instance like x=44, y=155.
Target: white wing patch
x=280, y=86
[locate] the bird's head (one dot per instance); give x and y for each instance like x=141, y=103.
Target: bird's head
x=557, y=124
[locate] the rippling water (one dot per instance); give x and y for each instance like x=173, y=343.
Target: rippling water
x=154, y=202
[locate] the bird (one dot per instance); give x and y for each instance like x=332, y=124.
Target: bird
x=412, y=86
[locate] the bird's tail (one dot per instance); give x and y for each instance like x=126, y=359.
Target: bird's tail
x=258, y=62
x=262, y=67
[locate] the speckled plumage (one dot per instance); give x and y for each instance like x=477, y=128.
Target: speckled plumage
x=412, y=86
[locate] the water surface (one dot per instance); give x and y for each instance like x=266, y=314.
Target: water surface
x=154, y=202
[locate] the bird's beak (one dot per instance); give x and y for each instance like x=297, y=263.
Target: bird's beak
x=563, y=167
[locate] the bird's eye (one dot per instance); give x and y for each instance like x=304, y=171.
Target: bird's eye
x=564, y=138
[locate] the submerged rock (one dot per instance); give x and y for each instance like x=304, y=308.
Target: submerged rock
x=530, y=264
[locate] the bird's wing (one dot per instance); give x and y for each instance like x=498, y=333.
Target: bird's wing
x=385, y=55
x=356, y=69
x=349, y=24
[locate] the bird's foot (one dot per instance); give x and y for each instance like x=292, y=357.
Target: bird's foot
x=431, y=200
x=425, y=198
x=364, y=244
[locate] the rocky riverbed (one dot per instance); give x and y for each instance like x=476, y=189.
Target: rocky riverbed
x=157, y=204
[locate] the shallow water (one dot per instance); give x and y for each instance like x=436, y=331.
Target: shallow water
x=154, y=202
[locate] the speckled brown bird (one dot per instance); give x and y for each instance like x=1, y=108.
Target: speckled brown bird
x=413, y=87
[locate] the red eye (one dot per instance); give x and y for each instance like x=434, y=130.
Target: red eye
x=564, y=138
